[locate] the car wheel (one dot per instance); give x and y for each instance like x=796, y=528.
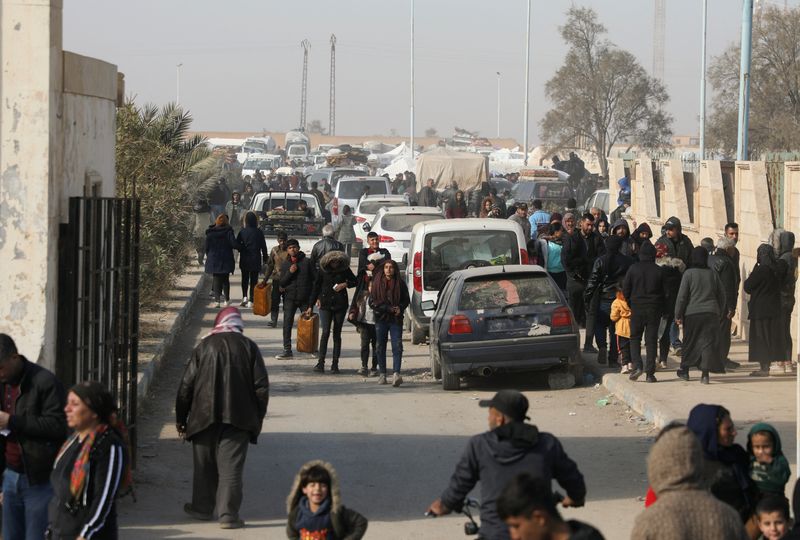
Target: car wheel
x=560, y=380
x=417, y=334
x=436, y=367
x=450, y=380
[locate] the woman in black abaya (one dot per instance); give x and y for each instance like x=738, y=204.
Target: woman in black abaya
x=764, y=287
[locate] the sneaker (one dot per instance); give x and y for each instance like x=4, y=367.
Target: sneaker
x=373, y=370
x=397, y=380
x=363, y=371
x=382, y=379
x=249, y=304
x=235, y=524
x=683, y=374
x=634, y=376
x=651, y=379
x=284, y=355
x=194, y=514
x=334, y=369
x=759, y=373
x=320, y=367
x=625, y=369
x=663, y=364
x=243, y=303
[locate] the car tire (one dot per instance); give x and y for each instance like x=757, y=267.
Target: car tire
x=450, y=380
x=436, y=367
x=417, y=334
x=561, y=380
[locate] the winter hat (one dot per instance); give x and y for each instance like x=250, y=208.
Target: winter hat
x=221, y=220
x=96, y=397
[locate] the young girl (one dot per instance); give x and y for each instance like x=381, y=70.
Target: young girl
x=621, y=316
x=389, y=298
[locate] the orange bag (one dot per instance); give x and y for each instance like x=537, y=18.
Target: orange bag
x=262, y=296
x=308, y=333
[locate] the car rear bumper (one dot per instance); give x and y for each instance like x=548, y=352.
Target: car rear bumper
x=514, y=354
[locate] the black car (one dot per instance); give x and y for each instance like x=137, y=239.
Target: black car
x=503, y=319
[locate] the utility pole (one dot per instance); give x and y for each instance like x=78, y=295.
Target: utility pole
x=332, y=104
x=744, y=79
x=527, y=81
x=498, y=104
x=659, y=38
x=304, y=89
x=411, y=136
x=178, y=83
x=703, y=83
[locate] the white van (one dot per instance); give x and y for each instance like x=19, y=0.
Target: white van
x=439, y=248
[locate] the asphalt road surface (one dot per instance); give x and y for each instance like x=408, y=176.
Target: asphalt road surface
x=394, y=448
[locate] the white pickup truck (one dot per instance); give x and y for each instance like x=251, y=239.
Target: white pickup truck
x=278, y=211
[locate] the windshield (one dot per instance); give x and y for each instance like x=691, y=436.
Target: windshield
x=297, y=150
x=405, y=222
x=372, y=207
x=494, y=292
x=446, y=252
x=260, y=164
x=354, y=189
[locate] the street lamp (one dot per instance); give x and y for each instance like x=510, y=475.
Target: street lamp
x=703, y=84
x=411, y=137
x=498, y=104
x=178, y=84
x=527, y=80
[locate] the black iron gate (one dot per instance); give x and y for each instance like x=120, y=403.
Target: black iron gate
x=98, y=299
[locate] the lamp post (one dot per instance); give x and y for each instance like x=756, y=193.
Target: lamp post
x=527, y=81
x=703, y=84
x=411, y=136
x=744, y=79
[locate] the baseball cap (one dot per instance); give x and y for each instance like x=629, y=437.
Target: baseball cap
x=509, y=402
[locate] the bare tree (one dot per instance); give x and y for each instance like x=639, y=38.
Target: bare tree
x=430, y=132
x=774, y=87
x=602, y=95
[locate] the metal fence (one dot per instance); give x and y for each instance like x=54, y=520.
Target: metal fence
x=98, y=315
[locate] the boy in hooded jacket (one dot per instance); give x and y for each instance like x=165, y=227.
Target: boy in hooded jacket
x=769, y=468
x=315, y=507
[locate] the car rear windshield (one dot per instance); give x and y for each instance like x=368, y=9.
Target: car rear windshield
x=354, y=189
x=372, y=207
x=336, y=175
x=446, y=252
x=493, y=292
x=525, y=191
x=285, y=204
x=405, y=222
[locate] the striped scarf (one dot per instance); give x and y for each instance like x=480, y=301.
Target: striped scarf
x=80, y=469
x=228, y=320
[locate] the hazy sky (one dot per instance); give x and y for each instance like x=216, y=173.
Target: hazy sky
x=242, y=60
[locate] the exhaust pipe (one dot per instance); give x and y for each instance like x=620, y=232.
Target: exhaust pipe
x=486, y=371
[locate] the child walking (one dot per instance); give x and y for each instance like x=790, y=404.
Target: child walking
x=315, y=507
x=621, y=317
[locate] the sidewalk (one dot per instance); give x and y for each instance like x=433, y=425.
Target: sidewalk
x=750, y=399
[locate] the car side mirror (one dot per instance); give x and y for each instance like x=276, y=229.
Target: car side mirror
x=366, y=227
x=428, y=305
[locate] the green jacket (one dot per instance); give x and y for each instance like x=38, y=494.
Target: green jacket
x=769, y=477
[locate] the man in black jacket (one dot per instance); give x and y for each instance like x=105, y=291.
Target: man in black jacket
x=34, y=427
x=494, y=458
x=643, y=288
x=601, y=290
x=722, y=262
x=580, y=250
x=297, y=278
x=221, y=403
x=328, y=243
x=678, y=244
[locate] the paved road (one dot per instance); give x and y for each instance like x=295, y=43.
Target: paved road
x=394, y=448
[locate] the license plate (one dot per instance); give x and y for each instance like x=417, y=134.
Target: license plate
x=511, y=324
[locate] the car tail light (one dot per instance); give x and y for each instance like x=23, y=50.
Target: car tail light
x=459, y=324
x=561, y=318
x=360, y=219
x=335, y=206
x=523, y=256
x=418, y=271
x=385, y=239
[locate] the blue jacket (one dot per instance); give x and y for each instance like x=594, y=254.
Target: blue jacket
x=539, y=217
x=220, y=244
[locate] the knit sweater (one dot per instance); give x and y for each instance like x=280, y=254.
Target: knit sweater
x=684, y=509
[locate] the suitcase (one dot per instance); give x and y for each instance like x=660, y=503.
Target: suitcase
x=308, y=333
x=262, y=296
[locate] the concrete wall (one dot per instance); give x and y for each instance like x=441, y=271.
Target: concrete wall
x=56, y=131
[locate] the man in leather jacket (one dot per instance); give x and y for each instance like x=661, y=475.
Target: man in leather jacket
x=221, y=403
x=601, y=288
x=328, y=243
x=297, y=278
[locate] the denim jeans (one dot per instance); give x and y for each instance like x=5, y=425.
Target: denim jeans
x=24, y=507
x=382, y=331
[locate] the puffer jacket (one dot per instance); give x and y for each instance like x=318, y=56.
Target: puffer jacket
x=220, y=243
x=297, y=285
x=681, y=247
x=334, y=268
x=347, y=524
x=224, y=382
x=322, y=247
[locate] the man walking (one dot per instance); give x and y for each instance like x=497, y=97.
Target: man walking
x=723, y=264
x=34, y=427
x=539, y=217
x=494, y=458
x=427, y=196
x=328, y=243
x=277, y=256
x=643, y=288
x=221, y=403
x=297, y=278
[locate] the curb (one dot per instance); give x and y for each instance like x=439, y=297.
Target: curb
x=653, y=411
x=152, y=368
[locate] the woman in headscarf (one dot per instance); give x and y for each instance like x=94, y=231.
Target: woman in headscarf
x=726, y=464
x=457, y=206
x=766, y=340
x=89, y=468
x=389, y=298
x=699, y=307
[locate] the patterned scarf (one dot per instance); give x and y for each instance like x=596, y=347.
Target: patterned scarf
x=80, y=469
x=228, y=319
